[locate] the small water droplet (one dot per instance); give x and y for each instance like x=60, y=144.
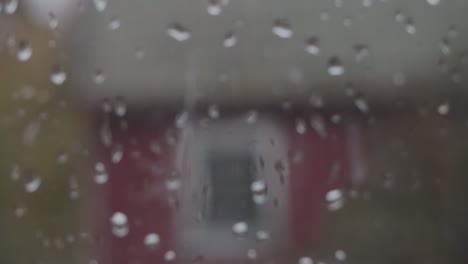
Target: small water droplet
x=262, y=235
x=240, y=229
x=340, y=255
x=182, y=119
x=335, y=67
x=316, y=101
x=53, y=21
x=361, y=103
x=230, y=40
x=120, y=107
x=20, y=211
x=312, y=46
x=114, y=23
x=178, y=32
x=282, y=29
x=367, y=3
x=213, y=112
x=252, y=254
x=101, y=175
x=361, y=52
x=57, y=75
x=433, y=2
x=32, y=183
x=24, y=51
x=169, y=256
x=252, y=117
x=301, y=126
x=151, y=240
x=214, y=7
x=335, y=199
x=100, y=5
x=444, y=108
x=99, y=77
x=10, y=7
x=305, y=260
x=119, y=219
x=445, y=46
x=117, y=154
x=410, y=26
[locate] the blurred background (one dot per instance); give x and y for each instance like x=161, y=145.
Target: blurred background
x=217, y=131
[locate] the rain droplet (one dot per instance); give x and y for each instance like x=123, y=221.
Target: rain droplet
x=410, y=27
x=169, y=255
x=340, y=255
x=53, y=21
x=335, y=199
x=240, y=229
x=178, y=32
x=433, y=2
x=445, y=47
x=120, y=107
x=100, y=5
x=151, y=240
x=316, y=101
x=262, y=235
x=361, y=103
x=114, y=23
x=173, y=184
x=335, y=67
x=99, y=77
x=361, y=51
x=32, y=184
x=214, y=7
x=252, y=117
x=366, y=3
x=20, y=211
x=230, y=40
x=116, y=154
x=57, y=75
x=443, y=109
x=10, y=7
x=301, y=126
x=119, y=219
x=252, y=253
x=101, y=175
x=258, y=186
x=282, y=29
x=305, y=260
x=400, y=17
x=24, y=51
x=213, y=112
x=182, y=119
x=312, y=46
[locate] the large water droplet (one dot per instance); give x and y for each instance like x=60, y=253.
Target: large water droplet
x=57, y=75
x=10, y=7
x=100, y=5
x=151, y=240
x=32, y=183
x=119, y=219
x=230, y=40
x=433, y=2
x=335, y=67
x=282, y=29
x=178, y=32
x=240, y=229
x=24, y=51
x=305, y=260
x=312, y=46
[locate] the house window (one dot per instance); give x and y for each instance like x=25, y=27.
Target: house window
x=230, y=176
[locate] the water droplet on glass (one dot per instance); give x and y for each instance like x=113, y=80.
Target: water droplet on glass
x=445, y=47
x=32, y=183
x=169, y=255
x=252, y=117
x=230, y=40
x=301, y=126
x=443, y=109
x=324, y=16
x=99, y=77
x=361, y=51
x=316, y=101
x=213, y=112
x=114, y=23
x=214, y=7
x=139, y=53
x=57, y=75
x=262, y=235
x=318, y=125
x=433, y=2
x=53, y=21
x=410, y=27
x=20, y=211
x=178, y=32
x=100, y=5
x=62, y=158
x=361, y=103
x=119, y=223
x=252, y=254
x=120, y=107
x=101, y=175
x=400, y=17
x=312, y=46
x=182, y=119
x=305, y=260
x=340, y=255
x=117, y=154
x=10, y=7
x=24, y=51
x=282, y=29
x=366, y=3
x=335, y=67
x=335, y=199
x=240, y=229
x=151, y=240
